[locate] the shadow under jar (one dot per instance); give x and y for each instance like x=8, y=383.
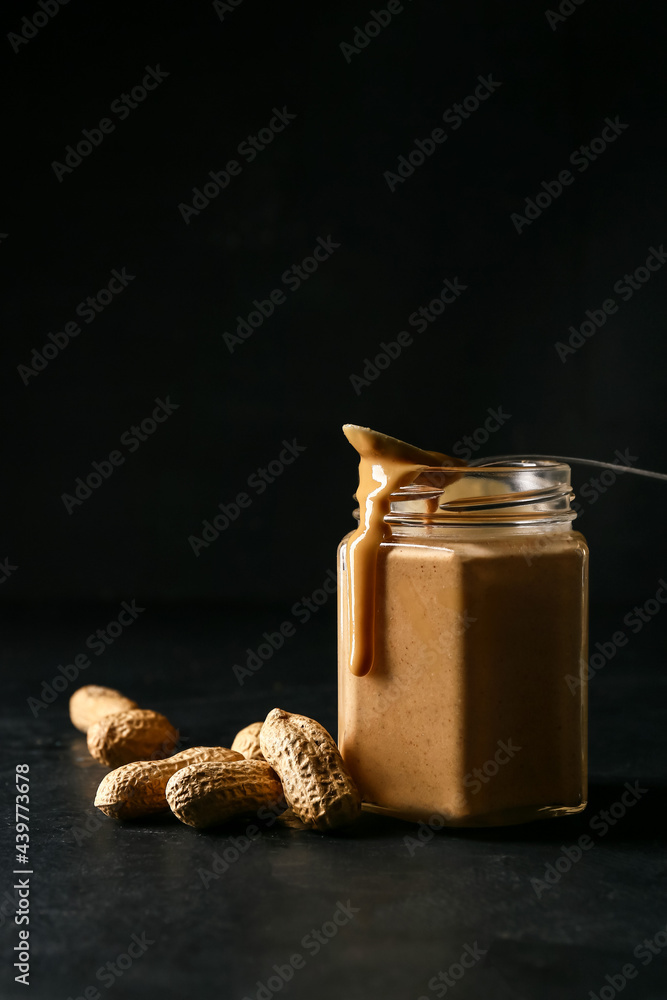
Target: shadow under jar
x=475, y=710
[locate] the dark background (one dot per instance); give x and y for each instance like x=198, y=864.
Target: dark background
x=494, y=348
x=322, y=175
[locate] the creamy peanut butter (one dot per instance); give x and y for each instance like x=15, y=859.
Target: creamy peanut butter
x=471, y=631
x=385, y=464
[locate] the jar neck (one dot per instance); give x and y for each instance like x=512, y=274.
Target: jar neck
x=521, y=494
x=478, y=532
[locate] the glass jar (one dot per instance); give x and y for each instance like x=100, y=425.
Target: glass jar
x=475, y=709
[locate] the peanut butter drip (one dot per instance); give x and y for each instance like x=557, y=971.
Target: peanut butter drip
x=385, y=464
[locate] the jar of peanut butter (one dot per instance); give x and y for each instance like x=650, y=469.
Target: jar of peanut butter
x=463, y=639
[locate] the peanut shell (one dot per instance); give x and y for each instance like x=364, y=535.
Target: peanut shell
x=318, y=787
x=137, y=734
x=90, y=703
x=247, y=742
x=138, y=789
x=210, y=794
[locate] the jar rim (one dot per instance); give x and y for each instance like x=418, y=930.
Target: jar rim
x=521, y=491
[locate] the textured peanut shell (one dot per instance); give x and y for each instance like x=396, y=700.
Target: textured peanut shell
x=318, y=787
x=90, y=703
x=211, y=794
x=137, y=734
x=247, y=742
x=138, y=789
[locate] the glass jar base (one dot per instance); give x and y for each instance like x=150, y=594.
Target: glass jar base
x=505, y=817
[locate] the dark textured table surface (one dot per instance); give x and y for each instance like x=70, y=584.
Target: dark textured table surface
x=158, y=909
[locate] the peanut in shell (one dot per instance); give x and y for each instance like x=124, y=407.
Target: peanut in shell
x=318, y=787
x=210, y=794
x=138, y=789
x=246, y=742
x=137, y=734
x=92, y=702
